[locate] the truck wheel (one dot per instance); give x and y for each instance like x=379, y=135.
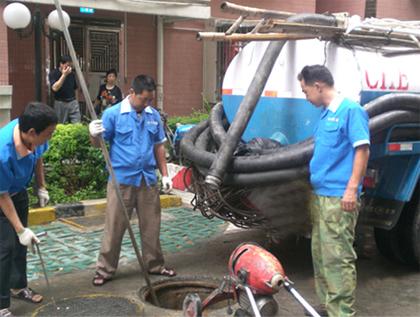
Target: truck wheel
x=410, y=235
x=387, y=243
x=402, y=243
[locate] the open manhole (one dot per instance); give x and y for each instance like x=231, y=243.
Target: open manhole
x=171, y=292
x=90, y=305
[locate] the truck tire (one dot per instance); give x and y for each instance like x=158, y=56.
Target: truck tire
x=387, y=243
x=410, y=235
x=402, y=243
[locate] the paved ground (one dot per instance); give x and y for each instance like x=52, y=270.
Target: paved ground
x=385, y=289
x=73, y=245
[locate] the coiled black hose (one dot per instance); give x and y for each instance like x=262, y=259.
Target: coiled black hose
x=291, y=161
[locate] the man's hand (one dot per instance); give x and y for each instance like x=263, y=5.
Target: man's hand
x=96, y=128
x=349, y=200
x=27, y=238
x=66, y=70
x=43, y=197
x=166, y=184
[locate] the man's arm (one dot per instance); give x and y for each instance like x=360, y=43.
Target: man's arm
x=161, y=158
x=361, y=157
x=39, y=174
x=9, y=210
x=59, y=83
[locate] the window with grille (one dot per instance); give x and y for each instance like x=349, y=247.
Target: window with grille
x=104, y=50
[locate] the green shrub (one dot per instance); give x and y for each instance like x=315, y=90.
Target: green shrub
x=74, y=169
x=194, y=118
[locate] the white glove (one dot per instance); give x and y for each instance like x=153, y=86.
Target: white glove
x=96, y=128
x=166, y=184
x=27, y=237
x=43, y=197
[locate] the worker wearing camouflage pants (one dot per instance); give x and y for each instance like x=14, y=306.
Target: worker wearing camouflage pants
x=337, y=168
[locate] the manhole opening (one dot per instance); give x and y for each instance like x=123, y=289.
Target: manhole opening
x=171, y=293
x=89, y=305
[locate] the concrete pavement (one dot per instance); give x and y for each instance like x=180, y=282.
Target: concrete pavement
x=385, y=289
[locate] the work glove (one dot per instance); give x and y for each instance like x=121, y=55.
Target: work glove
x=166, y=184
x=96, y=128
x=43, y=197
x=27, y=238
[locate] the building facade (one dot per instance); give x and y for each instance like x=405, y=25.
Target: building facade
x=158, y=39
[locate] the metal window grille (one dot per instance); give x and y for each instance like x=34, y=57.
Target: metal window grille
x=370, y=9
x=104, y=50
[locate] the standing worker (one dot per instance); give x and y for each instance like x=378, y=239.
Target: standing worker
x=63, y=84
x=337, y=168
x=22, y=143
x=135, y=133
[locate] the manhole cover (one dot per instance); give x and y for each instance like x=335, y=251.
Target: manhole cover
x=171, y=293
x=90, y=305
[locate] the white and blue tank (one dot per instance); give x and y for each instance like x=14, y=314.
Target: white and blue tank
x=283, y=113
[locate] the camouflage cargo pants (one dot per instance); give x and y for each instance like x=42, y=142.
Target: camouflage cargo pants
x=333, y=255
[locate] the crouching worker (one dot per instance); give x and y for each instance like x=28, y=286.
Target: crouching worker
x=135, y=133
x=22, y=143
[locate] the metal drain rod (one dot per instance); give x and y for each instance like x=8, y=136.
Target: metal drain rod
x=104, y=149
x=43, y=234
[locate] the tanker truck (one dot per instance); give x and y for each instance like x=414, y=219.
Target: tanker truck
x=264, y=183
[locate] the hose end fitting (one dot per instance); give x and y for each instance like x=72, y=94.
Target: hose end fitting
x=213, y=181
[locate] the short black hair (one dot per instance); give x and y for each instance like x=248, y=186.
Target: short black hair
x=311, y=74
x=143, y=82
x=111, y=71
x=64, y=59
x=38, y=116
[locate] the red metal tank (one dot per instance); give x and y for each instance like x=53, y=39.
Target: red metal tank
x=265, y=273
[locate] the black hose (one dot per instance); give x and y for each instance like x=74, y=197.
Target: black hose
x=390, y=118
x=246, y=109
x=389, y=102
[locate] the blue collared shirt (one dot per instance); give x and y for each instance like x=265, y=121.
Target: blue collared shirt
x=15, y=171
x=132, y=138
x=343, y=126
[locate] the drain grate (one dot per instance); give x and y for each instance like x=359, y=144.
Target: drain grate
x=91, y=305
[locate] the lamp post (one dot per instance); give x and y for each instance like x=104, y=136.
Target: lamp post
x=18, y=17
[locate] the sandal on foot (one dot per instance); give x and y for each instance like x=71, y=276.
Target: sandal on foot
x=6, y=313
x=99, y=279
x=165, y=272
x=29, y=295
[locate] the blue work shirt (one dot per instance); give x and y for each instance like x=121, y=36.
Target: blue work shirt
x=132, y=138
x=16, y=171
x=343, y=126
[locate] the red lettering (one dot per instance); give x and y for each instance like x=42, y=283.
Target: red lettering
x=383, y=87
x=368, y=82
x=403, y=82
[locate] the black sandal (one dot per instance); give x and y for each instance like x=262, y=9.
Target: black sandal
x=27, y=294
x=99, y=279
x=164, y=271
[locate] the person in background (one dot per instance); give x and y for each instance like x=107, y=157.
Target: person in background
x=64, y=86
x=109, y=93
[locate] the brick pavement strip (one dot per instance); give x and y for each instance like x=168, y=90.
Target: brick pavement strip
x=67, y=249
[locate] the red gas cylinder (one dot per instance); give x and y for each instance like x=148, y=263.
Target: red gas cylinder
x=265, y=274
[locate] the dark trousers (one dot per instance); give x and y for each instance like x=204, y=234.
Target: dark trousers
x=12, y=253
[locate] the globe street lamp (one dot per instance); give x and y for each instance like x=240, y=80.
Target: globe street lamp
x=18, y=17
